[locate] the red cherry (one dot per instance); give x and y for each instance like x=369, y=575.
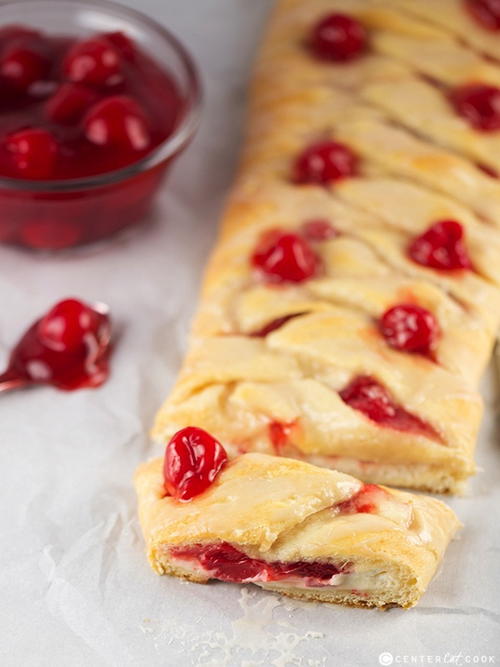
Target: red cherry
x=409, y=328
x=479, y=104
x=21, y=65
x=69, y=103
x=367, y=395
x=323, y=163
x=69, y=323
x=51, y=352
x=122, y=43
x=485, y=12
x=285, y=257
x=441, y=247
x=338, y=38
x=318, y=230
x=118, y=121
x=94, y=61
x=193, y=459
x=34, y=153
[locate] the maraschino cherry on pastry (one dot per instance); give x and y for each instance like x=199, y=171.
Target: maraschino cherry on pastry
x=67, y=348
x=285, y=257
x=479, y=104
x=338, y=38
x=323, y=163
x=193, y=459
x=485, y=12
x=409, y=328
x=441, y=247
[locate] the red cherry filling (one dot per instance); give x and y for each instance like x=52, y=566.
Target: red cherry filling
x=274, y=325
x=67, y=348
x=323, y=163
x=118, y=121
x=227, y=563
x=441, y=247
x=94, y=61
x=193, y=459
x=318, y=230
x=338, y=38
x=22, y=64
x=34, y=153
x=285, y=257
x=485, y=12
x=279, y=434
x=69, y=103
x=479, y=104
x=366, y=501
x=409, y=328
x=371, y=398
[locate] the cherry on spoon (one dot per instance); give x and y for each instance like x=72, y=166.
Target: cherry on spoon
x=67, y=348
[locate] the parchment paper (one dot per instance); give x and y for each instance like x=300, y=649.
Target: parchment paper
x=75, y=586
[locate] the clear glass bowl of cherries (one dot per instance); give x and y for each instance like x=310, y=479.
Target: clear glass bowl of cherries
x=96, y=101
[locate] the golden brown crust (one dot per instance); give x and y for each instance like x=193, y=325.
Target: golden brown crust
x=419, y=163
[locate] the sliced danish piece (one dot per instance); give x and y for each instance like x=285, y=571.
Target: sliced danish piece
x=302, y=531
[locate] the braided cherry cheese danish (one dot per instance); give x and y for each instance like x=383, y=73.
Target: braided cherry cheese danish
x=288, y=526
x=351, y=303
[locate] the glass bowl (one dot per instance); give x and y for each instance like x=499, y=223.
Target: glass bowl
x=60, y=214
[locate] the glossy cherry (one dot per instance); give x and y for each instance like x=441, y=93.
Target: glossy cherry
x=69, y=103
x=193, y=459
x=479, y=104
x=226, y=563
x=365, y=501
x=338, y=38
x=122, y=43
x=68, y=348
x=285, y=257
x=279, y=434
x=22, y=64
x=34, y=153
x=118, y=121
x=409, y=328
x=485, y=12
x=318, y=230
x=323, y=163
x=368, y=396
x=94, y=61
x=441, y=247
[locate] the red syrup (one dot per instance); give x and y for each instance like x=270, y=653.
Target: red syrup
x=366, y=501
x=368, y=396
x=193, y=459
x=73, y=109
x=227, y=563
x=274, y=325
x=67, y=348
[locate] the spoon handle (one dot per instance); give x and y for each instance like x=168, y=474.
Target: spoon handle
x=9, y=381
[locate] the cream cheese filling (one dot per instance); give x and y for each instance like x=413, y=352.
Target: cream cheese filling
x=369, y=581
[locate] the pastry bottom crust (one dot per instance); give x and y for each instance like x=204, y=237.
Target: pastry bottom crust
x=380, y=600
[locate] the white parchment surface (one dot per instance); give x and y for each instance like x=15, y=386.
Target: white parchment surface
x=75, y=586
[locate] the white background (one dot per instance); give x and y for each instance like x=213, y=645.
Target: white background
x=75, y=586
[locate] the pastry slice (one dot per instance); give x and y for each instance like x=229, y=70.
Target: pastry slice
x=287, y=526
